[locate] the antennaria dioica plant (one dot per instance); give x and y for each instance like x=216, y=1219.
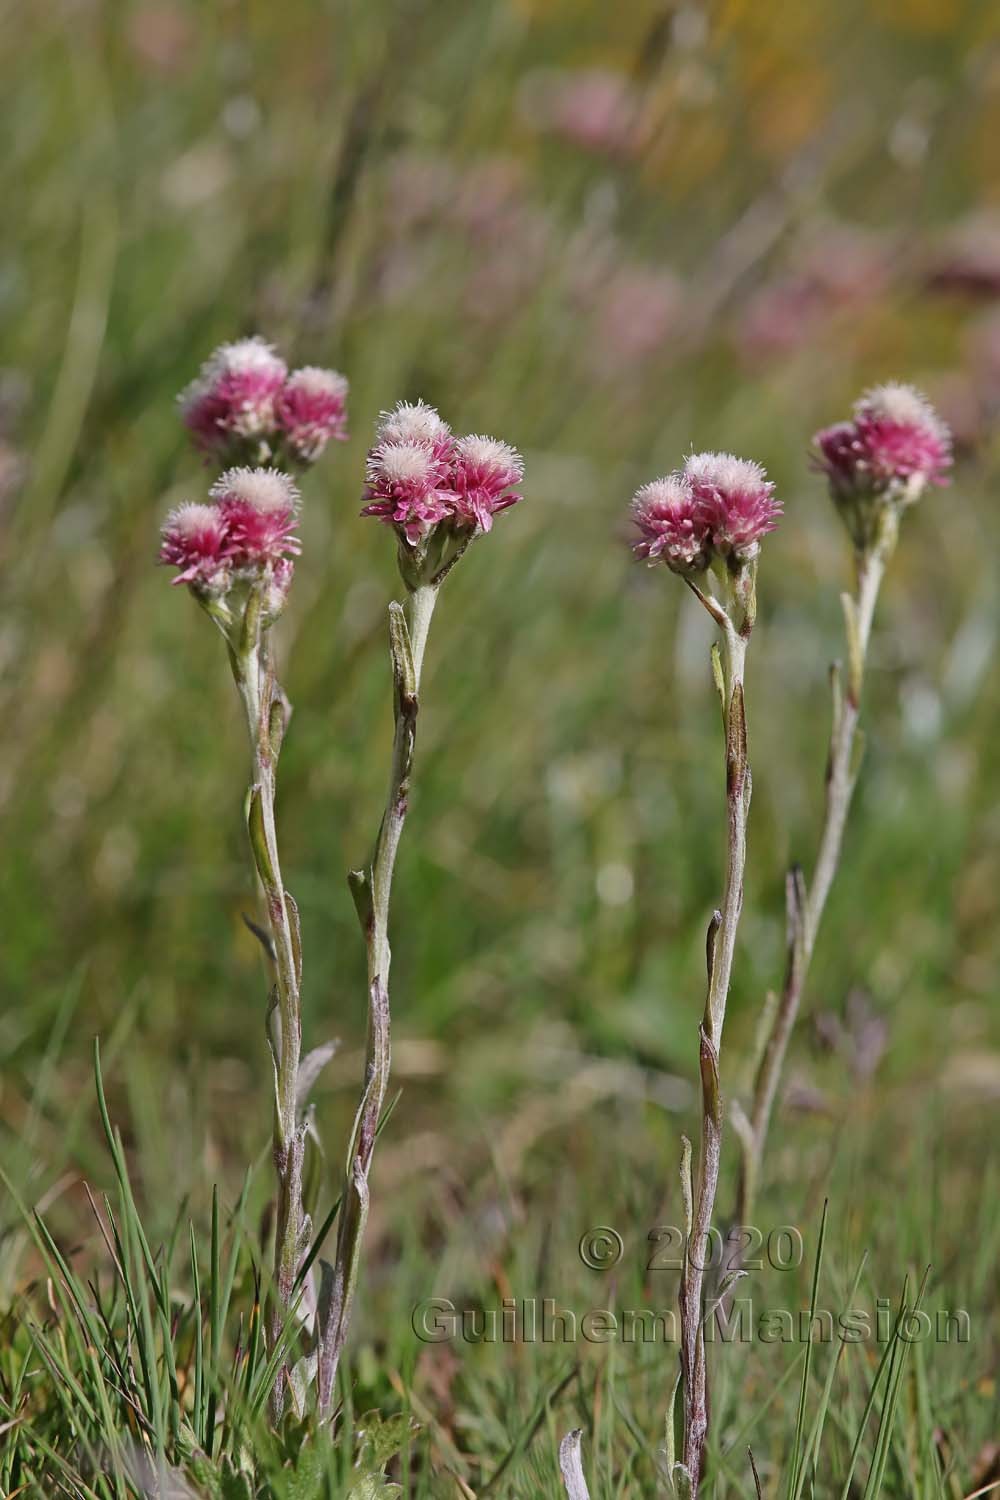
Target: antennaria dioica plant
x=706, y=524
x=878, y=464
x=437, y=494
x=236, y=556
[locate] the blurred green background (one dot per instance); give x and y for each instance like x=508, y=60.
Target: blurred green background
x=608, y=237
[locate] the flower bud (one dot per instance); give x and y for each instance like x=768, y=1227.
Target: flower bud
x=278, y=581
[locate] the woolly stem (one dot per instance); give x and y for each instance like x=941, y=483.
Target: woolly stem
x=372, y=889
x=806, y=905
x=721, y=948
x=266, y=715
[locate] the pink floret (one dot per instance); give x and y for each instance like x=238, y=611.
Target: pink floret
x=260, y=509
x=195, y=539
x=734, y=501
x=669, y=525
x=483, y=474
x=406, y=486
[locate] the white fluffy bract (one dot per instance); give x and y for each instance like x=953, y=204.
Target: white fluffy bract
x=264, y=489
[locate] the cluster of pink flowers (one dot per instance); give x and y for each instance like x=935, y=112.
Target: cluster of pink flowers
x=248, y=526
x=244, y=403
x=418, y=475
x=895, y=444
x=716, y=506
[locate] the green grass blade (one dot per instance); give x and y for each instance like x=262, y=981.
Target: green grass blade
x=797, y=1462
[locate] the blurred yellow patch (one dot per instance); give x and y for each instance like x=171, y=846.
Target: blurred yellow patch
x=789, y=110
x=927, y=16
x=984, y=145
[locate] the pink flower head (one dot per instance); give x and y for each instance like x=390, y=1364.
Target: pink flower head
x=195, y=539
x=418, y=475
x=734, y=502
x=406, y=486
x=310, y=409
x=895, y=441
x=234, y=394
x=483, y=473
x=669, y=525
x=415, y=422
x=259, y=508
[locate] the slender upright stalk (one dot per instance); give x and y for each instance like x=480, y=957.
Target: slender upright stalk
x=438, y=493
x=266, y=713
x=859, y=611
x=706, y=522
x=236, y=555
x=372, y=889
x=806, y=903
x=701, y=1194
x=878, y=465
x=408, y=639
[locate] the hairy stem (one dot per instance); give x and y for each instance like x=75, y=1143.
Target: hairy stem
x=721, y=948
x=372, y=889
x=266, y=713
x=806, y=904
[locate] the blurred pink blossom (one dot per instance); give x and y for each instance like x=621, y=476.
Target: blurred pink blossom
x=160, y=36
x=233, y=394
x=596, y=109
x=967, y=259
x=310, y=409
x=832, y=269
x=636, y=312
x=895, y=438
